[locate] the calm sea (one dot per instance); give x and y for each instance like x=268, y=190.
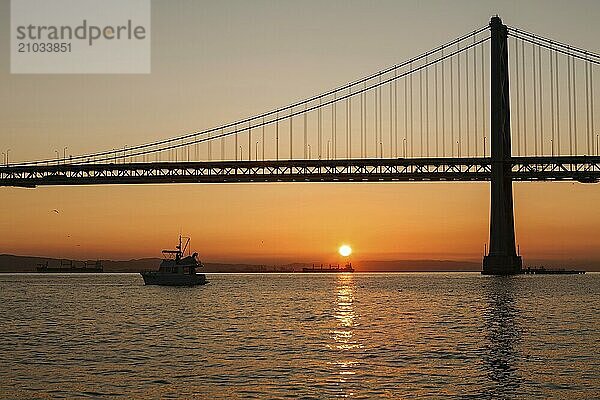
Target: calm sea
x=293, y=335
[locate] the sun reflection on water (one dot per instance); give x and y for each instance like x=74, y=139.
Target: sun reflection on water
x=344, y=342
x=343, y=334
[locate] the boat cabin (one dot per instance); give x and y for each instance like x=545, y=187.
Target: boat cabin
x=175, y=263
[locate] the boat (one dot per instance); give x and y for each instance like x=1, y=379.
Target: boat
x=66, y=266
x=176, y=269
x=330, y=268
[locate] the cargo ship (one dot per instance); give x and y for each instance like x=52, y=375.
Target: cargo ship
x=66, y=266
x=329, y=268
x=550, y=271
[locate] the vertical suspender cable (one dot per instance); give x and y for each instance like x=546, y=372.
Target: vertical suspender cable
x=405, y=117
x=592, y=110
x=396, y=112
x=349, y=100
x=362, y=119
x=557, y=105
x=437, y=121
x=574, y=108
x=347, y=130
x=250, y=140
x=391, y=121
x=380, y=116
x=412, y=126
x=291, y=136
x=319, y=130
x=483, y=98
x=421, y=111
x=587, y=106
x=475, y=103
x=518, y=121
x=366, y=99
x=524, y=75
x=541, y=86
x=452, y=106
x=332, y=127
x=365, y=121
x=305, y=133
x=570, y=106
x=535, y=109
x=249, y=146
x=236, y=142
x=427, y=107
x=459, y=103
x=276, y=138
x=376, y=114
x=222, y=144
x=467, y=101
x=552, y=113
x=334, y=141
x=443, y=107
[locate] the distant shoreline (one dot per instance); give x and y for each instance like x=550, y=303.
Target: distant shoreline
x=10, y=263
x=24, y=264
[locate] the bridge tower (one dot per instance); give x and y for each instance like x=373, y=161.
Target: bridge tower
x=502, y=258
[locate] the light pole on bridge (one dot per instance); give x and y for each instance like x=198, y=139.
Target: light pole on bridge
x=7, y=151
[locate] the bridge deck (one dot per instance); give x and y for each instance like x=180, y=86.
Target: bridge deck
x=579, y=168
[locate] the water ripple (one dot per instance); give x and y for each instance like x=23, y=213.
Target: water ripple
x=300, y=336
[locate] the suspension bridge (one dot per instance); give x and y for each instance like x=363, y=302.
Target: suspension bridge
x=444, y=115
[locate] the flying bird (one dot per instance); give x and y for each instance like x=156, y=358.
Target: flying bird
x=56, y=211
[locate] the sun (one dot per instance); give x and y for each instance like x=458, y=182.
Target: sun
x=345, y=250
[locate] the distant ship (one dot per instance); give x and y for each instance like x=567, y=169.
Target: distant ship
x=330, y=268
x=66, y=266
x=175, y=269
x=550, y=271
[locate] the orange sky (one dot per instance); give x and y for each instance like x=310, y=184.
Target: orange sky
x=213, y=63
x=297, y=222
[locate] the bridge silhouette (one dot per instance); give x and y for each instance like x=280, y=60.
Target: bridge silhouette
x=425, y=119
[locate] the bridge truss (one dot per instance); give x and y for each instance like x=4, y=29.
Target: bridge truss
x=584, y=169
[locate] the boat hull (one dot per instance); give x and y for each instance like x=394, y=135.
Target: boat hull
x=157, y=278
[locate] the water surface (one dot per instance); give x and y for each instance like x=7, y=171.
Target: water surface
x=301, y=335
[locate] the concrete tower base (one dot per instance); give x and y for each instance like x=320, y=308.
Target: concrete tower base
x=502, y=265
